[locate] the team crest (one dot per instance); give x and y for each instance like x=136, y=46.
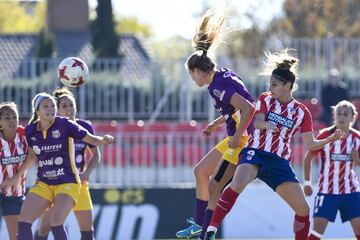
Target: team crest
x=250, y=154
x=56, y=134
x=292, y=110
x=217, y=92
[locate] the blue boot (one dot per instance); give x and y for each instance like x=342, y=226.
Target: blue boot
x=192, y=231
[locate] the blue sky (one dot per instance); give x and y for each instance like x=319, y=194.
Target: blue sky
x=178, y=17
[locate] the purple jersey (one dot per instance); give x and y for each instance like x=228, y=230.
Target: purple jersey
x=54, y=149
x=224, y=84
x=80, y=146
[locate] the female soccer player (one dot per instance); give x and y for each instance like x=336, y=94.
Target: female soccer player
x=232, y=100
x=13, y=150
x=51, y=141
x=338, y=185
x=278, y=115
x=83, y=209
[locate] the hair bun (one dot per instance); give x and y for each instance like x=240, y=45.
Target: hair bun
x=62, y=91
x=286, y=64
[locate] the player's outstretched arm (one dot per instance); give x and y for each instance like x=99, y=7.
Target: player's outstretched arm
x=312, y=144
x=98, y=140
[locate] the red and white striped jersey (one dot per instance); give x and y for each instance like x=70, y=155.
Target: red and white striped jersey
x=337, y=175
x=12, y=155
x=287, y=117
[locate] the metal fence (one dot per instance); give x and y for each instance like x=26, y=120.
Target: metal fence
x=119, y=89
x=160, y=159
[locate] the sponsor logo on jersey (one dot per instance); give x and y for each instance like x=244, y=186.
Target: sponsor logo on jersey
x=47, y=162
x=58, y=161
x=51, y=148
x=340, y=157
x=52, y=174
x=79, y=158
x=281, y=120
x=80, y=146
x=13, y=159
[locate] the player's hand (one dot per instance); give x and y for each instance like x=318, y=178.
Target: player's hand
x=84, y=177
x=234, y=142
x=107, y=139
x=308, y=190
x=12, y=182
x=271, y=127
x=338, y=134
x=209, y=129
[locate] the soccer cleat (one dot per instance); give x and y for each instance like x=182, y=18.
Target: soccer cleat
x=193, y=230
x=210, y=235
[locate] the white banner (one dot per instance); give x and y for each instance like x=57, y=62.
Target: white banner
x=261, y=213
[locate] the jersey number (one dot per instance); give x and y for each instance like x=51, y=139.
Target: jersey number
x=319, y=200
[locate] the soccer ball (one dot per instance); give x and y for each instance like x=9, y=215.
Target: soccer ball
x=73, y=72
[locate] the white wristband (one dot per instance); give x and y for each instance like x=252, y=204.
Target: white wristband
x=307, y=183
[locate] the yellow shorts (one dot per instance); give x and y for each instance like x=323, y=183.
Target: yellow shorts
x=230, y=154
x=50, y=191
x=84, y=202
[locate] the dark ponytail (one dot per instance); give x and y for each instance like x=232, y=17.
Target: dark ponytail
x=282, y=66
x=63, y=92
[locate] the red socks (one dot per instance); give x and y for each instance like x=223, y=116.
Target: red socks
x=301, y=227
x=312, y=237
x=224, y=205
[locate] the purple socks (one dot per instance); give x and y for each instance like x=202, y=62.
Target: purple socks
x=200, y=207
x=87, y=235
x=25, y=232
x=59, y=232
x=37, y=237
x=207, y=219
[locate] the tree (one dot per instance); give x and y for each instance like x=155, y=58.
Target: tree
x=104, y=39
x=16, y=17
x=45, y=45
x=174, y=48
x=133, y=26
x=315, y=18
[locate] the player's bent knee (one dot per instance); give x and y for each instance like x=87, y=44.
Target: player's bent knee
x=303, y=210
x=199, y=172
x=23, y=218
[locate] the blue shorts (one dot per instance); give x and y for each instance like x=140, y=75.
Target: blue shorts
x=11, y=205
x=273, y=170
x=327, y=205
